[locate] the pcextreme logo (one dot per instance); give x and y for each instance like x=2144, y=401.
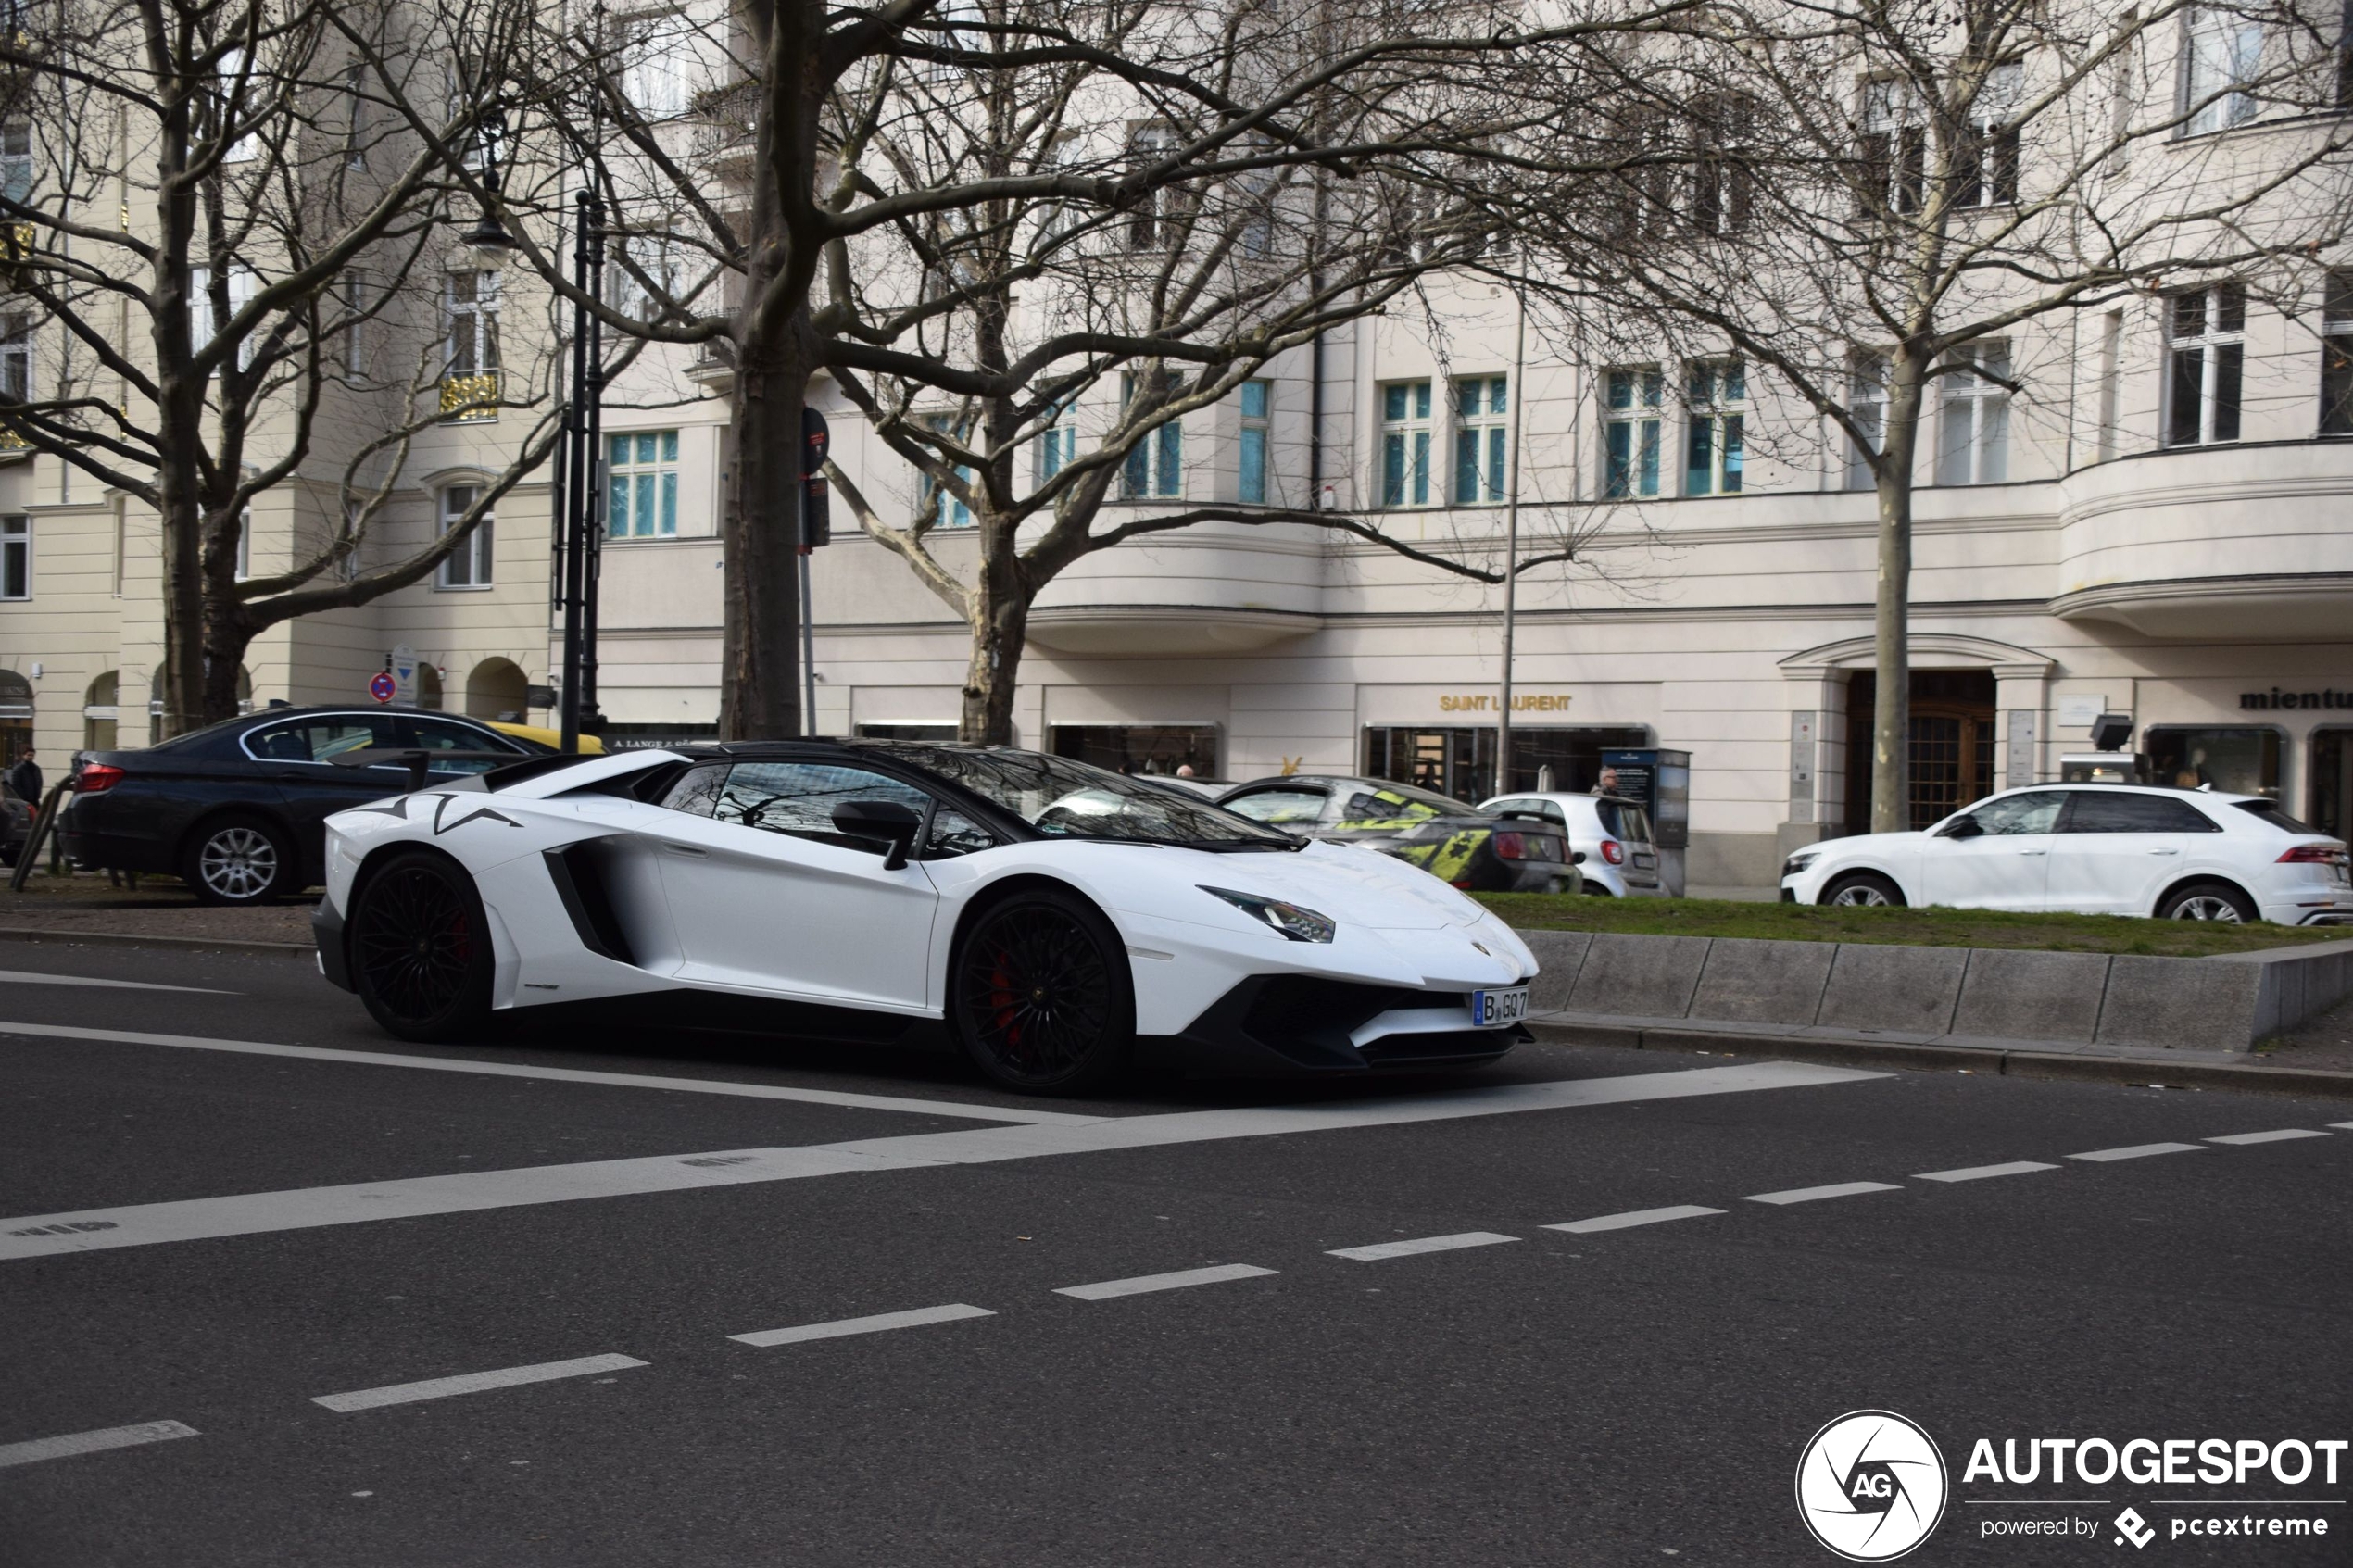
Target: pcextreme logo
x=1871, y=1486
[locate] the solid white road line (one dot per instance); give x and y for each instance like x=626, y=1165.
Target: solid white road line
x=1381, y=1249
x=955, y=1110
x=1811, y=1195
x=27, y=977
x=303, y=1208
x=472, y=1383
x=1633, y=1217
x=879, y=1324
x=2282, y=1136
x=93, y=1442
x=2137, y=1151
x=1143, y=1285
x=1979, y=1173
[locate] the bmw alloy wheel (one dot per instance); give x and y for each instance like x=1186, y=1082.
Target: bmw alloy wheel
x=238, y=863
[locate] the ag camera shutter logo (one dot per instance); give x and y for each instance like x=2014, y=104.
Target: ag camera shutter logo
x=1871, y=1486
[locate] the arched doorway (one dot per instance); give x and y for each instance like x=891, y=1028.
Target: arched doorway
x=15, y=717
x=429, y=685
x=101, y=711
x=497, y=689
x=1952, y=742
x=155, y=700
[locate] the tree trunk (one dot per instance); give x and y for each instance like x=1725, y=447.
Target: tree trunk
x=1892, y=705
x=760, y=688
x=181, y=524
x=225, y=641
x=999, y=612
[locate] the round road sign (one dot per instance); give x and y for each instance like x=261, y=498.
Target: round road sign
x=381, y=687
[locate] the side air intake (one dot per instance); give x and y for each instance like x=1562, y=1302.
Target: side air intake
x=578, y=872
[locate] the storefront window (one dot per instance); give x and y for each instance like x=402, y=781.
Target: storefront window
x=937, y=731
x=1142, y=748
x=2237, y=761
x=1460, y=761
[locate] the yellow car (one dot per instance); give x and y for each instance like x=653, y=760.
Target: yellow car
x=552, y=739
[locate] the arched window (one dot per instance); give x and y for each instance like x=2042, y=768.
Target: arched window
x=495, y=689
x=155, y=700
x=428, y=685
x=100, y=711
x=15, y=717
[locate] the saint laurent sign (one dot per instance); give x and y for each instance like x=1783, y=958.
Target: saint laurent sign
x=1484, y=702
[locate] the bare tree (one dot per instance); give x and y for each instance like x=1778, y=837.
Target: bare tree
x=1857, y=201
x=1007, y=204
x=229, y=241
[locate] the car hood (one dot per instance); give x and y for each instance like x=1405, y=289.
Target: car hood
x=1349, y=882
x=1872, y=843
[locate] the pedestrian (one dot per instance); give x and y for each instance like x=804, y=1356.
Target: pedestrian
x=24, y=779
x=1184, y=770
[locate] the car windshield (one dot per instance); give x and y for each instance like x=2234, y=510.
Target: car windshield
x=2268, y=811
x=1071, y=800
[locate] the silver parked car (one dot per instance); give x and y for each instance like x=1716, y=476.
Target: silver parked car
x=1611, y=834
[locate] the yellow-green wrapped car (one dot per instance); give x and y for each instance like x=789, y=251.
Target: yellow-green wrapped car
x=1477, y=851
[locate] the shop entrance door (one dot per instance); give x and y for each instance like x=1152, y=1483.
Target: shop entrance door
x=1952, y=744
x=2331, y=804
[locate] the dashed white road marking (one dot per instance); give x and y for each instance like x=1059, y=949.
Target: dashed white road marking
x=1382, y=1249
x=472, y=1383
x=1980, y=1172
x=955, y=1110
x=2342, y=1126
x=2137, y=1151
x=1144, y=1284
x=99, y=1441
x=881, y=1322
x=2281, y=1135
x=28, y=977
x=1813, y=1195
x=1633, y=1217
x=468, y=1191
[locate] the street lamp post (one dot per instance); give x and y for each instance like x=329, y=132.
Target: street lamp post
x=1511, y=549
x=579, y=491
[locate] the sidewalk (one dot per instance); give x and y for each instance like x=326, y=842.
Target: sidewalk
x=161, y=908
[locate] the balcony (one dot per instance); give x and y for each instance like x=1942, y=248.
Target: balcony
x=1208, y=590
x=469, y=399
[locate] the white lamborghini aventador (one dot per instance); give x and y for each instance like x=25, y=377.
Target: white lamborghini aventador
x=1061, y=921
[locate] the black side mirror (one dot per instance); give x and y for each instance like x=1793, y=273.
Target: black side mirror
x=886, y=821
x=1968, y=827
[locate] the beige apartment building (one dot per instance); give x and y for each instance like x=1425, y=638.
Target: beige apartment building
x=2159, y=522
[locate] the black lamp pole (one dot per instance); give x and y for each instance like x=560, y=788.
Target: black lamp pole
x=580, y=493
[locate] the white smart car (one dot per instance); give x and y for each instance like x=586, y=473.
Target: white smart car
x=1059, y=920
x=2112, y=849
x=1611, y=835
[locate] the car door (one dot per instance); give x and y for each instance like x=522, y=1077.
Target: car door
x=2117, y=848
x=296, y=755
x=444, y=734
x=764, y=893
x=1996, y=856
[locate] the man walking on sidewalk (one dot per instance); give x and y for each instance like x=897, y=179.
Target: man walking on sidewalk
x=24, y=779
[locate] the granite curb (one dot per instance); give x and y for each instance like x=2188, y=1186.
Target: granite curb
x=131, y=939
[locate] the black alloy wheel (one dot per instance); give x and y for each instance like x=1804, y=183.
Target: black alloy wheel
x=420, y=948
x=1042, y=997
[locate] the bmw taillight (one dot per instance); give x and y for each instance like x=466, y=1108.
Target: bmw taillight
x=1613, y=851
x=2314, y=854
x=96, y=778
x=1510, y=846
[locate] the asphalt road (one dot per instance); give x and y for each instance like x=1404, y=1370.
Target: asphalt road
x=1519, y=1396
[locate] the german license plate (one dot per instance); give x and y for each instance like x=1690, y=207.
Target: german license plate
x=1489, y=1007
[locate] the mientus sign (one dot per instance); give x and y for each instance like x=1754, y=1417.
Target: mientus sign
x=2330, y=697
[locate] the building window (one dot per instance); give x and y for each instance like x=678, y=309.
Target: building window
x=354, y=292
x=1156, y=464
x=16, y=558
x=1973, y=440
x=2222, y=55
x=245, y=544
x=468, y=566
x=1712, y=455
x=1257, y=404
x=655, y=260
x=1149, y=221
x=1482, y=432
x=2239, y=761
x=2336, y=355
x=1985, y=174
x=470, y=385
x=233, y=104
x=642, y=485
x=354, y=147
x=952, y=511
x=15, y=161
x=2205, y=359
x=654, y=77
x=1894, y=152
x=1631, y=433
x=15, y=360
x=1058, y=443
x=204, y=324
x=1404, y=445
x=1867, y=401
x=1721, y=181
